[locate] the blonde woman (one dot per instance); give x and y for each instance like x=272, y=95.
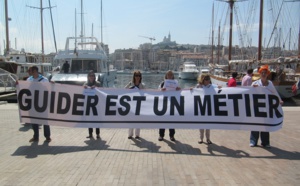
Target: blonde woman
x=205, y=83
x=168, y=85
x=135, y=83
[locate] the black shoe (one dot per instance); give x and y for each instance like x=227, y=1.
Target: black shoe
x=267, y=146
x=34, y=140
x=200, y=142
x=160, y=138
x=48, y=139
x=137, y=137
x=209, y=142
x=90, y=136
x=129, y=137
x=98, y=136
x=172, y=138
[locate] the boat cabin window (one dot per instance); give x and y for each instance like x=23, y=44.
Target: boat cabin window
x=22, y=69
x=83, y=66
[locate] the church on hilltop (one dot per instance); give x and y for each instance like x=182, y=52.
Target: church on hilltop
x=167, y=42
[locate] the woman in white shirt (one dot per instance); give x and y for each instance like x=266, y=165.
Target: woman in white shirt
x=263, y=81
x=136, y=83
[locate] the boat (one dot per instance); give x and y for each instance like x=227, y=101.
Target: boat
x=188, y=71
x=284, y=70
x=18, y=62
x=86, y=52
x=20, y=69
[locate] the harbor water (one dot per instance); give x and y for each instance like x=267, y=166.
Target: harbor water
x=152, y=80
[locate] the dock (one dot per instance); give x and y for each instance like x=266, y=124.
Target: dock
x=72, y=159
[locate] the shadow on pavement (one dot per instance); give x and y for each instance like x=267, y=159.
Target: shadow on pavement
x=25, y=127
x=34, y=150
x=142, y=143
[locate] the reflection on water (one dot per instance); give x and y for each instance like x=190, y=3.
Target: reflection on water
x=151, y=80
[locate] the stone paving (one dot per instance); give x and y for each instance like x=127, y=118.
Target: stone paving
x=72, y=159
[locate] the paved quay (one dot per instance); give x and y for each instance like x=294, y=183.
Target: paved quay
x=72, y=159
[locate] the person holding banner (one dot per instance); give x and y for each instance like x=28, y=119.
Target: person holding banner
x=135, y=83
x=263, y=81
x=205, y=83
x=92, y=83
x=168, y=84
x=36, y=77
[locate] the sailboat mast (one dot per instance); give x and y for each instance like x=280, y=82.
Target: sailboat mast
x=212, y=37
x=101, y=27
x=7, y=33
x=42, y=29
x=260, y=30
x=299, y=42
x=219, y=29
x=52, y=26
x=230, y=30
x=81, y=19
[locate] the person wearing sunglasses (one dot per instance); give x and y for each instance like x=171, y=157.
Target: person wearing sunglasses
x=92, y=83
x=263, y=81
x=135, y=83
x=205, y=83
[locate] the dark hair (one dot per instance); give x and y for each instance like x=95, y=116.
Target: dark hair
x=34, y=68
x=91, y=73
x=250, y=71
x=134, y=73
x=234, y=74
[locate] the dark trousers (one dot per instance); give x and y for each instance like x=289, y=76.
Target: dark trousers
x=171, y=132
x=264, y=136
x=91, y=131
x=35, y=128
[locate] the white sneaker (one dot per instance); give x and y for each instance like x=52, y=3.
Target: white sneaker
x=252, y=145
x=160, y=138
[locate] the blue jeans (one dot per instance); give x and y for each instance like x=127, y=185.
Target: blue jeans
x=35, y=128
x=265, y=138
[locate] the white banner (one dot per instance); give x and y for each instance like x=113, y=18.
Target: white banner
x=238, y=108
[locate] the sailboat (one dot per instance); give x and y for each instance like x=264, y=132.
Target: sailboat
x=284, y=70
x=18, y=62
x=81, y=53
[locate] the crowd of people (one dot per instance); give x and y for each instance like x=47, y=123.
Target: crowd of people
x=169, y=83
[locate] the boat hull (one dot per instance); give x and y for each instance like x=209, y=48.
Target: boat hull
x=106, y=79
x=188, y=75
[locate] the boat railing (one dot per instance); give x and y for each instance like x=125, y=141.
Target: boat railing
x=7, y=82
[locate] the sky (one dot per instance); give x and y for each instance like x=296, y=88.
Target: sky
x=124, y=22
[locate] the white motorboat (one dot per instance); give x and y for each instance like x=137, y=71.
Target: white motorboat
x=188, y=71
x=83, y=54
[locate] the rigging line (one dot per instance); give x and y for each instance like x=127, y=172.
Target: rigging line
x=275, y=25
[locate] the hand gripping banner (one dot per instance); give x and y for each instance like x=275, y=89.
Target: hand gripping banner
x=238, y=108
